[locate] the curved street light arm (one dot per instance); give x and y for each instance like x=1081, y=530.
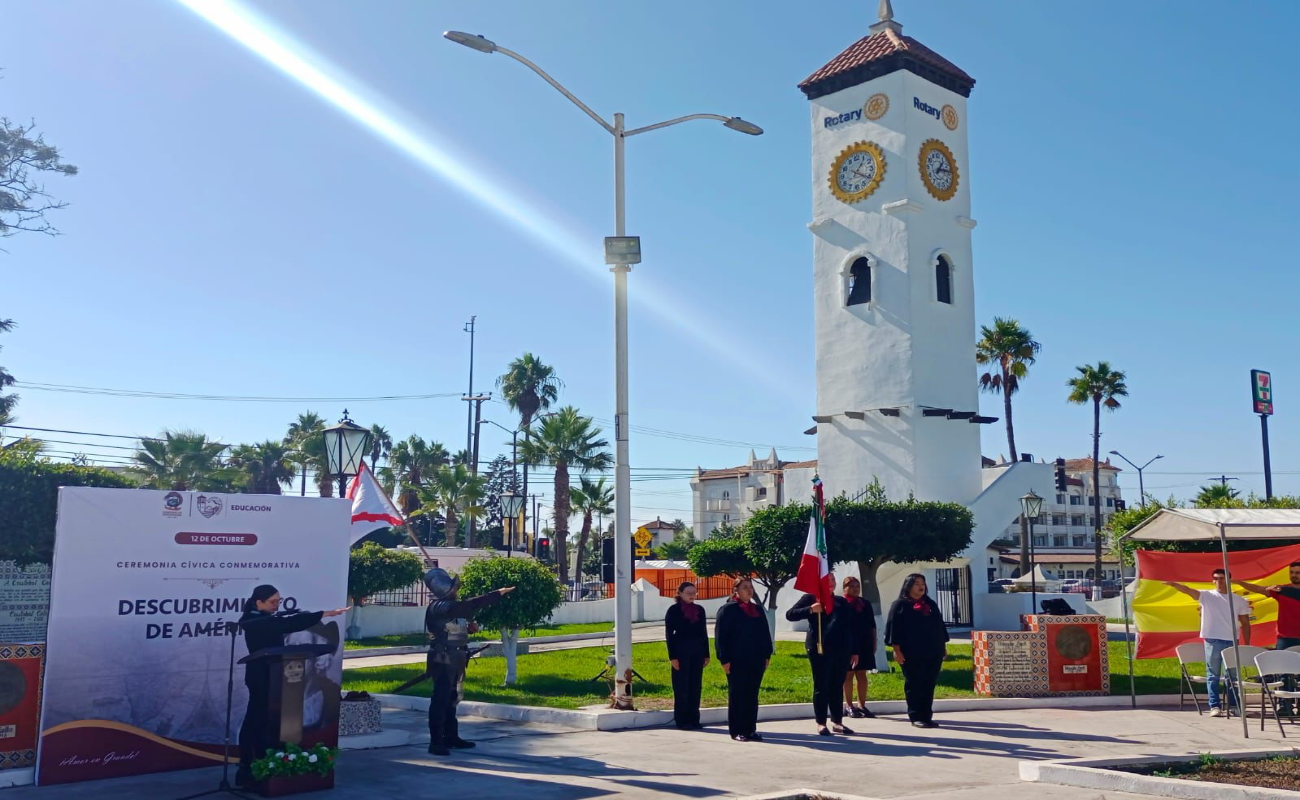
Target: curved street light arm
x=599, y=120
x=665, y=124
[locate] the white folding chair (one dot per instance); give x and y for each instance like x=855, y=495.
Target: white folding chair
x=1191, y=653
x=1278, y=664
x=1250, y=684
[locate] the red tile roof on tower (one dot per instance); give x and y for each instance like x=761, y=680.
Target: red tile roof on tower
x=1085, y=464
x=879, y=54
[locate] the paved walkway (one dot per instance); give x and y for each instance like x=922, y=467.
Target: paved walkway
x=972, y=757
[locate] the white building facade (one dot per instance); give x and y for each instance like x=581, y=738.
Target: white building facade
x=732, y=495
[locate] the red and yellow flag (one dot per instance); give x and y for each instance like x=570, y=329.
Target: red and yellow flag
x=1166, y=617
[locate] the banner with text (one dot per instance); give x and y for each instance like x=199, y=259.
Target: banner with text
x=144, y=583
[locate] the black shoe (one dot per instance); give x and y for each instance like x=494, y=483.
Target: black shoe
x=740, y=738
x=823, y=731
x=756, y=737
x=925, y=724
x=854, y=711
x=864, y=712
x=438, y=750
x=843, y=730
x=460, y=744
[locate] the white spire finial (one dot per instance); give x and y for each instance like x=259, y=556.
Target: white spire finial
x=886, y=13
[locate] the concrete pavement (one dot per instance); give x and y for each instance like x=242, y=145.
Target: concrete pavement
x=974, y=755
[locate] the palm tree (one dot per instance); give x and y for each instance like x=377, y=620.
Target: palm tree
x=456, y=492
x=305, y=437
x=263, y=467
x=381, y=445
x=1218, y=495
x=411, y=463
x=589, y=498
x=529, y=387
x=1101, y=385
x=182, y=460
x=7, y=401
x=1013, y=350
x=566, y=439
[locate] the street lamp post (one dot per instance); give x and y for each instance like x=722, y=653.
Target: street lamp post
x=1142, y=492
x=346, y=445
x=1030, y=506
x=618, y=245
x=510, y=505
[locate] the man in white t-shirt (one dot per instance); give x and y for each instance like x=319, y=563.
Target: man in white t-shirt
x=1217, y=607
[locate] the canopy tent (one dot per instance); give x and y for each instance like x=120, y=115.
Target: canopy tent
x=1208, y=524
x=1037, y=575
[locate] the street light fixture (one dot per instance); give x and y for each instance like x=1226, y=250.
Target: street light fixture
x=1030, y=506
x=346, y=445
x=1142, y=492
x=622, y=471
x=511, y=504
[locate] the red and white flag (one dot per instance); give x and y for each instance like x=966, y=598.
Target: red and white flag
x=814, y=576
x=371, y=507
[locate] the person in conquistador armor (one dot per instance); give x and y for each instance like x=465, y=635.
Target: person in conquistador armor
x=448, y=624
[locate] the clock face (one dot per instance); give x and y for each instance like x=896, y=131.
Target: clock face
x=938, y=170
x=857, y=171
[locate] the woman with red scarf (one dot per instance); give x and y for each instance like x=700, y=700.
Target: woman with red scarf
x=688, y=652
x=743, y=645
x=864, y=647
x=916, y=630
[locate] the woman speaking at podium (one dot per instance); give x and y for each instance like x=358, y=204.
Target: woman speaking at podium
x=264, y=626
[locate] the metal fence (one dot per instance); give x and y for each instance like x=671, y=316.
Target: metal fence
x=953, y=594
x=417, y=594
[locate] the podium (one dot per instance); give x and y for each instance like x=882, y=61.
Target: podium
x=287, y=667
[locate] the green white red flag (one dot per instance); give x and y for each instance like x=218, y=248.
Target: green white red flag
x=814, y=575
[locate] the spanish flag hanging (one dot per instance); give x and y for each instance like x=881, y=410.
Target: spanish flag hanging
x=1166, y=617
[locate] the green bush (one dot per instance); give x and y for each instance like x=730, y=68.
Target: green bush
x=29, y=500
x=536, y=596
x=372, y=569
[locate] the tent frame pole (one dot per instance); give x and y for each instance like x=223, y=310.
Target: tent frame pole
x=1128, y=636
x=1236, y=635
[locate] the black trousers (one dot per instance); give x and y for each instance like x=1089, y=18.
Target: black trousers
x=919, y=677
x=686, y=689
x=828, y=673
x=742, y=697
x=443, y=728
x=252, y=734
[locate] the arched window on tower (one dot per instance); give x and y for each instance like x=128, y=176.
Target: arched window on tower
x=943, y=280
x=859, y=282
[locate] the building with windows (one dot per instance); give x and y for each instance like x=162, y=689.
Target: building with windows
x=1064, y=541
x=730, y=496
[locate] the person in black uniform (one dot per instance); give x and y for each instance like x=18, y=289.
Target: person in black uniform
x=447, y=622
x=916, y=630
x=743, y=645
x=829, y=644
x=264, y=626
x=688, y=652
x=864, y=646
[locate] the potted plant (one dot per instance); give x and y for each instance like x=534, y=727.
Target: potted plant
x=293, y=770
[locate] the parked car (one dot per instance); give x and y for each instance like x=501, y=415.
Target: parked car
x=1082, y=586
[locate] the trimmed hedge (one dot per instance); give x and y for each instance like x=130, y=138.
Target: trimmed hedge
x=29, y=496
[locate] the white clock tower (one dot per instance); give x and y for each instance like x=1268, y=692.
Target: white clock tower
x=897, y=397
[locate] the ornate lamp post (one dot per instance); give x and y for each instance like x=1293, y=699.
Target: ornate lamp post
x=346, y=444
x=511, y=504
x=1030, y=506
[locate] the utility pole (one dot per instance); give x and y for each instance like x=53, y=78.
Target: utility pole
x=1223, y=479
x=476, y=413
x=469, y=412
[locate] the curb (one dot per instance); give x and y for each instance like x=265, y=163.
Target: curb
x=604, y=719
x=1091, y=773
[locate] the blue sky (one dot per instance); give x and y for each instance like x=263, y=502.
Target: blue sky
x=233, y=233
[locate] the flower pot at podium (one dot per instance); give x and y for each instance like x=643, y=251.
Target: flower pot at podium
x=284, y=785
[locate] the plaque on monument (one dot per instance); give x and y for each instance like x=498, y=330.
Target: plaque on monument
x=1058, y=656
x=24, y=602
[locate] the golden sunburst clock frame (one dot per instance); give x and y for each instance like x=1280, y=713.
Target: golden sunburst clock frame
x=872, y=151
x=930, y=146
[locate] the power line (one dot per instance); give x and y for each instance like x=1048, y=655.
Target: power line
x=101, y=390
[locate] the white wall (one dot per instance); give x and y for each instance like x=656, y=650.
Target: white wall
x=993, y=510
x=1001, y=612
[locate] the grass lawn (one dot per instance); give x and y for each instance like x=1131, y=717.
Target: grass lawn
x=561, y=678
x=408, y=639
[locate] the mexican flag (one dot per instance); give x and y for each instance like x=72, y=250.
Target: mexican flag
x=814, y=576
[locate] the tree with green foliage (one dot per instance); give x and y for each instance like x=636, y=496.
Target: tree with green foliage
x=589, y=498
x=501, y=478
x=566, y=440
x=183, y=461
x=767, y=546
x=29, y=491
x=261, y=468
x=24, y=156
x=679, y=547
x=305, y=437
x=381, y=446
x=457, y=493
x=1217, y=495
x=1101, y=386
x=536, y=596
x=7, y=401
x=373, y=569
x=723, y=553
x=874, y=530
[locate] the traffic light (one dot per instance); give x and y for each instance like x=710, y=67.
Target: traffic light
x=607, y=559
x=544, y=548
x=1060, y=475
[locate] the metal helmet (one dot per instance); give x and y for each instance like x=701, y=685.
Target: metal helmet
x=441, y=583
